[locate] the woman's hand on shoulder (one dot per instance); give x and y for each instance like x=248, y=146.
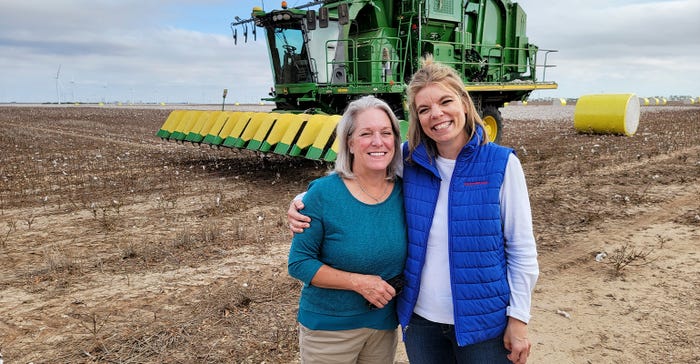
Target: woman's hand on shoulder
x=297, y=221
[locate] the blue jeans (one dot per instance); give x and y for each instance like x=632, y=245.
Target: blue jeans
x=430, y=342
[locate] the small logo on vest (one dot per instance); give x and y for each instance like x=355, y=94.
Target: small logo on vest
x=476, y=183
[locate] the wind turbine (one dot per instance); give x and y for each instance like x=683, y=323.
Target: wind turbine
x=72, y=90
x=58, y=92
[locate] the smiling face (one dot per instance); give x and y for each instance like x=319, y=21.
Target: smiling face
x=441, y=114
x=372, y=142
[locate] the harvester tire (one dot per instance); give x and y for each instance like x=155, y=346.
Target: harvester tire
x=493, y=122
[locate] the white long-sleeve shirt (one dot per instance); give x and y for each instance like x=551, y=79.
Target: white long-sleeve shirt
x=435, y=297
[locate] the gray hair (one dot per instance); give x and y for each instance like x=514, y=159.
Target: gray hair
x=346, y=126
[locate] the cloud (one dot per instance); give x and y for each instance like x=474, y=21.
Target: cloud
x=119, y=50
x=626, y=46
x=175, y=51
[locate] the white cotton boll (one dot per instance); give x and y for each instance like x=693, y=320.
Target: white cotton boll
x=600, y=256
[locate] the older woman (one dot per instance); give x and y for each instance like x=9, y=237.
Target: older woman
x=356, y=241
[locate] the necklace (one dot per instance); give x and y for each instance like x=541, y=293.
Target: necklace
x=362, y=188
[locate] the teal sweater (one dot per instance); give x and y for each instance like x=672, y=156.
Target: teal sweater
x=351, y=236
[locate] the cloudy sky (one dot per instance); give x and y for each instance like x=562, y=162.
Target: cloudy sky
x=183, y=51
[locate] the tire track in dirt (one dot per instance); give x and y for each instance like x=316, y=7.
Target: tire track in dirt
x=153, y=290
x=582, y=297
x=657, y=160
x=616, y=169
x=156, y=144
x=618, y=230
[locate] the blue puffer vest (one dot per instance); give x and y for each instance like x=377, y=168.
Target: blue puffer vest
x=480, y=291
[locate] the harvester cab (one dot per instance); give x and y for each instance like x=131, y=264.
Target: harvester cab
x=324, y=57
x=324, y=54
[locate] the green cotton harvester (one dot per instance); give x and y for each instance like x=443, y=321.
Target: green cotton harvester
x=325, y=54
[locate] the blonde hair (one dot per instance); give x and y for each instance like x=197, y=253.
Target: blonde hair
x=434, y=73
x=346, y=126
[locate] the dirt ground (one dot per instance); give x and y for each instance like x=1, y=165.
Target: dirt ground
x=116, y=246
